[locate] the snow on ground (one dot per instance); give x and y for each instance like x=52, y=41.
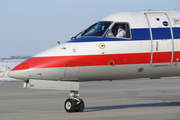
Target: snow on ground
x=4, y=71
x=6, y=66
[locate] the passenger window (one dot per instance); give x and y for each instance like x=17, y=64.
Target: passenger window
x=119, y=30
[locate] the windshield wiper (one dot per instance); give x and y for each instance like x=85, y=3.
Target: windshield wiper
x=77, y=35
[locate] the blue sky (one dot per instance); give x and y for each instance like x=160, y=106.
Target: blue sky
x=28, y=27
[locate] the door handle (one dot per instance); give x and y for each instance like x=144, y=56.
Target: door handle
x=157, y=46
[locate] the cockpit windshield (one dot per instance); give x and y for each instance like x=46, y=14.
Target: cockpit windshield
x=98, y=29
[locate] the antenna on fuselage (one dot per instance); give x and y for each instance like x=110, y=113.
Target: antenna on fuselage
x=147, y=9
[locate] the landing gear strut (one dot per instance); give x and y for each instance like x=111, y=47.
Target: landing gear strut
x=73, y=103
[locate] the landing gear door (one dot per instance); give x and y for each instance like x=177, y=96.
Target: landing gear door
x=162, y=44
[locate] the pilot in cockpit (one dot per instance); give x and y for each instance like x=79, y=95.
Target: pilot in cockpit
x=120, y=32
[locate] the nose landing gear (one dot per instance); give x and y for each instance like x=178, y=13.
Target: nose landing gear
x=73, y=103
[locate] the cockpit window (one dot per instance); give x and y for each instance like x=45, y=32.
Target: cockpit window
x=98, y=29
x=119, y=30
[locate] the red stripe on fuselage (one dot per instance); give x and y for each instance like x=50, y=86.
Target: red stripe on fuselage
x=96, y=60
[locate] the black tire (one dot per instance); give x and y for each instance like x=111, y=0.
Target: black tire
x=70, y=105
x=80, y=106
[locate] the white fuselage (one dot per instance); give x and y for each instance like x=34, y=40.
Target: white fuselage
x=151, y=51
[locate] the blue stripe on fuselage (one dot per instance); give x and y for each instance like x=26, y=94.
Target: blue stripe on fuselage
x=140, y=34
x=176, y=32
x=137, y=34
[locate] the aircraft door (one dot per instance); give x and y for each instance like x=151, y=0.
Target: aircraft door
x=162, y=44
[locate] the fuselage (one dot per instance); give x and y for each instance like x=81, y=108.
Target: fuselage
x=151, y=49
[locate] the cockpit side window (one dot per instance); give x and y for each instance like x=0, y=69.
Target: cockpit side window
x=97, y=29
x=119, y=30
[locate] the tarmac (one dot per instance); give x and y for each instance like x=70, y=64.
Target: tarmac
x=138, y=99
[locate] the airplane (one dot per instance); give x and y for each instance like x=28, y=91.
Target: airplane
x=124, y=45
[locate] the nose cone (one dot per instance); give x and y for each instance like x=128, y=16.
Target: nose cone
x=20, y=71
x=19, y=74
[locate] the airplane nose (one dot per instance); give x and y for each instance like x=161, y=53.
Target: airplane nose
x=19, y=74
x=20, y=71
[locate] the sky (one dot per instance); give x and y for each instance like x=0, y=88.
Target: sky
x=28, y=27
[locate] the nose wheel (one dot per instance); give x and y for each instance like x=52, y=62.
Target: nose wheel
x=73, y=103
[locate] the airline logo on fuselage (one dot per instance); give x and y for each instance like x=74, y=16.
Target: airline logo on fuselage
x=176, y=20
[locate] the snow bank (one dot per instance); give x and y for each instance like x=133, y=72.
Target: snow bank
x=4, y=71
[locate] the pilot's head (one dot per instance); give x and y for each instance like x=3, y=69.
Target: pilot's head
x=119, y=26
